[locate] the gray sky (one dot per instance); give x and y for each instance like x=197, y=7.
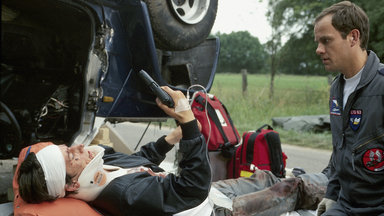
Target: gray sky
x=241, y=15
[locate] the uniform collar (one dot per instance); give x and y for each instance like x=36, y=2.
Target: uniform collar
x=368, y=73
x=370, y=69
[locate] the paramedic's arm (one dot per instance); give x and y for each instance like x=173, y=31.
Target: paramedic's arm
x=333, y=188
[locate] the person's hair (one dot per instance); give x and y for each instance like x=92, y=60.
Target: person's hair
x=347, y=16
x=32, y=185
x=31, y=180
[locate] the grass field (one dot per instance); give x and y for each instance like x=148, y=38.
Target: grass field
x=293, y=96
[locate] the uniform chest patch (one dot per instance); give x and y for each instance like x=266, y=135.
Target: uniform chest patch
x=355, y=117
x=335, y=108
x=373, y=159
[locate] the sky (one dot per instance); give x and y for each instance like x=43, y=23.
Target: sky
x=243, y=15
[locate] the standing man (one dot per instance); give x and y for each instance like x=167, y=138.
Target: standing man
x=356, y=101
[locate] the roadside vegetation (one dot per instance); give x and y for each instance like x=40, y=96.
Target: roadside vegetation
x=294, y=95
x=285, y=76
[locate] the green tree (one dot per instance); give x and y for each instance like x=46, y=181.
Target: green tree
x=240, y=50
x=298, y=56
x=274, y=44
x=296, y=17
x=375, y=12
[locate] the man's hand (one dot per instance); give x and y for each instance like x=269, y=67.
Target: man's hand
x=174, y=137
x=184, y=116
x=325, y=205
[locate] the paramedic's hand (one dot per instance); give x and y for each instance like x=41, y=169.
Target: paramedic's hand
x=325, y=205
x=182, y=111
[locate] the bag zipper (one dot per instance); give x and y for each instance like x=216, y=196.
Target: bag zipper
x=360, y=146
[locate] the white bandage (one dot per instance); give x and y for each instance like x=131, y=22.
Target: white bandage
x=182, y=105
x=52, y=161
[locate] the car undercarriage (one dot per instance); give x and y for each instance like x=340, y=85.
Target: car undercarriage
x=44, y=51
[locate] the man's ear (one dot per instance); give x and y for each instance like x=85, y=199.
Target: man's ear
x=354, y=37
x=73, y=186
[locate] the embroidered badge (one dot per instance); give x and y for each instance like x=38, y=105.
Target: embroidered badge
x=335, y=108
x=355, y=119
x=373, y=159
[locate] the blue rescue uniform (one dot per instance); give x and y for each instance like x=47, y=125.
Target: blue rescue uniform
x=357, y=181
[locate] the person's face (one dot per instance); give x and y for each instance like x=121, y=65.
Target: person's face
x=76, y=159
x=331, y=47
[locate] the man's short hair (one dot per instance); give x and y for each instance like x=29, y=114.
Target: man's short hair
x=31, y=180
x=347, y=16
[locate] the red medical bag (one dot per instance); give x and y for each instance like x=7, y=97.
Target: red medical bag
x=259, y=149
x=220, y=131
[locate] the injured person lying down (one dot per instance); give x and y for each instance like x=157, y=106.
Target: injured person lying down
x=119, y=184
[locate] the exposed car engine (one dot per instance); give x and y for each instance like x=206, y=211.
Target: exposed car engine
x=45, y=48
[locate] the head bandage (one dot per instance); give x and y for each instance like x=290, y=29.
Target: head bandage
x=182, y=105
x=52, y=161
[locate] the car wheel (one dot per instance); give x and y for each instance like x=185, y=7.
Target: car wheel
x=181, y=24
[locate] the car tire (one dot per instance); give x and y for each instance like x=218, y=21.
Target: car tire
x=181, y=24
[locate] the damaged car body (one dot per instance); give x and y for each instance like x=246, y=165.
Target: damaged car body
x=66, y=62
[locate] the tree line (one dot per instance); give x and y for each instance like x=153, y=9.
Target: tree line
x=292, y=19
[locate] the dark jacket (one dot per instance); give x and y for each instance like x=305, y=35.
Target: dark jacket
x=143, y=194
x=357, y=180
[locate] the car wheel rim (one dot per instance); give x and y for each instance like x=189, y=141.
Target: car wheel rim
x=190, y=11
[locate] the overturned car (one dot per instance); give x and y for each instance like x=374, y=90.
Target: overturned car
x=66, y=62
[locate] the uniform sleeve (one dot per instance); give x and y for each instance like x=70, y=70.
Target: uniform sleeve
x=333, y=187
x=327, y=170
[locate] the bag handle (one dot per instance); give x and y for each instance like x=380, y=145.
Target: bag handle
x=251, y=147
x=230, y=121
x=211, y=112
x=269, y=127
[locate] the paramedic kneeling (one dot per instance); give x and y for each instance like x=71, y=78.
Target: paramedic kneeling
x=356, y=105
x=120, y=184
